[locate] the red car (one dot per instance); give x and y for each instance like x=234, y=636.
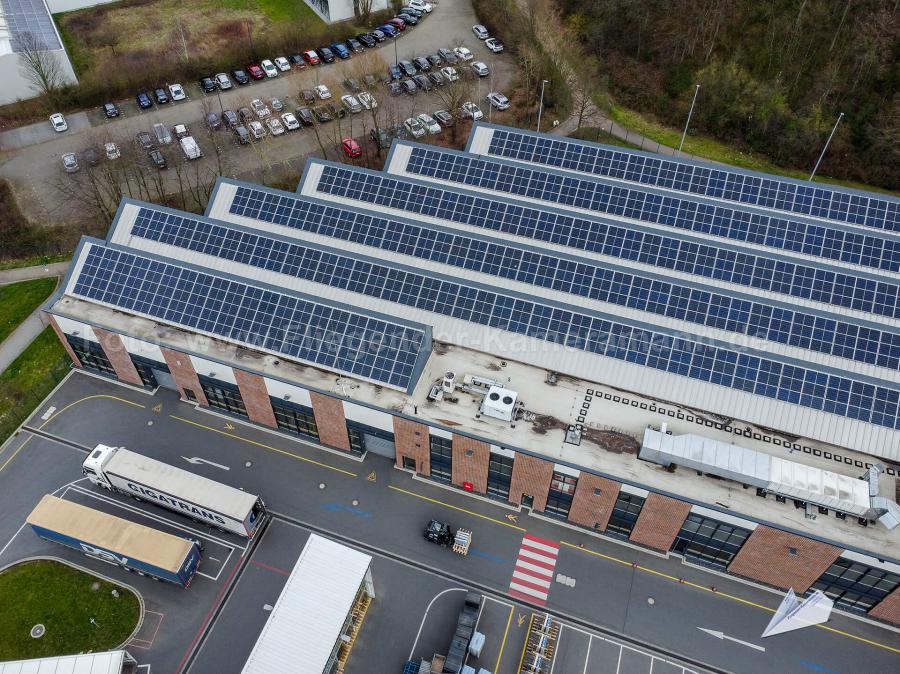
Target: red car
x=312, y=57
x=397, y=23
x=255, y=71
x=351, y=148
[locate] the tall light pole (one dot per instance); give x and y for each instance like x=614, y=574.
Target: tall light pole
x=819, y=161
x=690, y=112
x=541, y=106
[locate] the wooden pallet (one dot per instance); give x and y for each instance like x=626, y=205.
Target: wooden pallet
x=462, y=541
x=540, y=644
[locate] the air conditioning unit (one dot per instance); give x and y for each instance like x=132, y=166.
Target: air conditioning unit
x=499, y=403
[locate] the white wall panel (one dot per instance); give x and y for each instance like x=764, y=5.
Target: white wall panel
x=366, y=415
x=208, y=368
x=278, y=389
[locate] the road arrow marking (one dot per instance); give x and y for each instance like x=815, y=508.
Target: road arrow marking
x=512, y=518
x=196, y=460
x=371, y=476
x=721, y=635
x=157, y=408
x=229, y=427
x=520, y=620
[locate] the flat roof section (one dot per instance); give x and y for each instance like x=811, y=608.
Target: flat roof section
x=110, y=662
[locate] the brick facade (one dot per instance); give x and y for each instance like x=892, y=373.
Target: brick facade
x=767, y=557
x=184, y=374
x=593, y=510
x=330, y=419
x=473, y=468
x=118, y=356
x=256, y=398
x=888, y=609
x=65, y=342
x=659, y=522
x=412, y=440
x=530, y=476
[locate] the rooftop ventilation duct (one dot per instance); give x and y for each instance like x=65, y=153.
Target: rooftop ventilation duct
x=499, y=403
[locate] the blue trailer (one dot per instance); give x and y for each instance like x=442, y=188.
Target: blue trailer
x=111, y=539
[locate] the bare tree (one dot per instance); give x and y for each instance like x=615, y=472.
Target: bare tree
x=362, y=9
x=38, y=65
x=452, y=95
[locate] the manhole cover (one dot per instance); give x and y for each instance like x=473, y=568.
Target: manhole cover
x=355, y=502
x=321, y=485
x=38, y=631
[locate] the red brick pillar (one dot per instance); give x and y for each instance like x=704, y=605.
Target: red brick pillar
x=659, y=522
x=330, y=420
x=65, y=342
x=782, y=559
x=888, y=609
x=530, y=476
x=255, y=397
x=471, y=459
x=119, y=358
x=589, y=508
x=185, y=375
x=413, y=440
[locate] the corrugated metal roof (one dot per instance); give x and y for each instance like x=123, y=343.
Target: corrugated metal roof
x=110, y=662
x=305, y=624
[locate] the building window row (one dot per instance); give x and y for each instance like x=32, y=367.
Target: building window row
x=856, y=586
x=91, y=355
x=223, y=395
x=441, y=459
x=709, y=542
x=294, y=418
x=145, y=367
x=624, y=515
x=499, y=476
x=559, y=498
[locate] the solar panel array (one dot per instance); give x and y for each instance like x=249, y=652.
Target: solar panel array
x=617, y=240
x=29, y=16
x=577, y=277
x=767, y=192
x=547, y=321
x=317, y=333
x=865, y=249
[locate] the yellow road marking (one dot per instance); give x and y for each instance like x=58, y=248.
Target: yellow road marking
x=525, y=645
x=264, y=446
x=58, y=412
x=503, y=643
x=697, y=586
x=462, y=510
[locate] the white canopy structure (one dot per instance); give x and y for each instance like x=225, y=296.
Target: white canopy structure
x=110, y=662
x=794, y=614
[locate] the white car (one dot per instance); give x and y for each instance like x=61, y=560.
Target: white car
x=257, y=130
x=481, y=69
x=428, y=122
x=259, y=108
x=58, y=122
x=498, y=100
x=269, y=68
x=450, y=73
x=70, y=162
x=471, y=110
x=415, y=128
x=367, y=100
x=290, y=122
x=322, y=92
x=282, y=64
x=494, y=45
x=277, y=105
x=176, y=91
x=463, y=53
x=275, y=126
x=351, y=103
x=480, y=32
x=223, y=81
x=112, y=151
x=421, y=5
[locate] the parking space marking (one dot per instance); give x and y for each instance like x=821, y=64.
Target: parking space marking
x=24, y=524
x=587, y=657
x=270, y=568
x=503, y=643
x=453, y=507
x=149, y=641
x=425, y=616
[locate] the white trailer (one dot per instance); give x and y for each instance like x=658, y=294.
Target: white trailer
x=207, y=501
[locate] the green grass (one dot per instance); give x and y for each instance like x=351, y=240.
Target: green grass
x=62, y=599
x=286, y=10
x=18, y=300
x=36, y=261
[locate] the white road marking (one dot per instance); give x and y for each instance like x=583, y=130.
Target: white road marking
x=619, y=663
x=425, y=615
x=722, y=636
x=534, y=567
x=587, y=657
x=196, y=460
x=527, y=590
x=531, y=543
x=49, y=413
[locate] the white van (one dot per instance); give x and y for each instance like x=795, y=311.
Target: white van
x=190, y=148
x=162, y=134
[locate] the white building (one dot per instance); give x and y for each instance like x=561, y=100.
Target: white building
x=333, y=11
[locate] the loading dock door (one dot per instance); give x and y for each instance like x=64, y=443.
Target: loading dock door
x=164, y=379
x=380, y=446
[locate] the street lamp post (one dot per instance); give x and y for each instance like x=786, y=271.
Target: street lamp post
x=541, y=106
x=690, y=112
x=827, y=142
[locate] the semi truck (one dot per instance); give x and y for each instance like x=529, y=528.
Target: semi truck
x=149, y=552
x=121, y=470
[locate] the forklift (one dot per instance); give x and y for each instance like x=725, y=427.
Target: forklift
x=441, y=533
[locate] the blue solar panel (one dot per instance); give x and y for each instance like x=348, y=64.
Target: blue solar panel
x=317, y=333
x=559, y=324
x=623, y=241
x=756, y=190
x=818, y=240
x=29, y=17
x=822, y=333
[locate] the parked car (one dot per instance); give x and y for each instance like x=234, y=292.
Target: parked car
x=304, y=116
x=240, y=76
x=408, y=19
x=340, y=50
x=312, y=58
x=471, y=111
x=223, y=81
x=143, y=101
x=422, y=63
x=181, y=131
x=444, y=118
x=367, y=100
x=395, y=88
x=415, y=128
x=449, y=73
x=255, y=71
x=428, y=122
x=481, y=69
x=297, y=61
x=230, y=118
x=421, y=4
x=423, y=83
x=367, y=39
x=90, y=156
x=110, y=110
x=352, y=84
x=399, y=131
x=435, y=60
x=325, y=54
x=408, y=68
x=379, y=35
x=246, y=115
x=282, y=64
x=275, y=126
x=463, y=53
x=381, y=138
x=398, y=24
x=257, y=130
x=354, y=45
x=323, y=114
x=412, y=11
x=259, y=108
x=163, y=137
x=158, y=159
x=176, y=91
x=351, y=148
x=309, y=96
x=335, y=112
x=277, y=105
x=208, y=84
x=498, y=100
x=70, y=162
x=142, y=138
x=213, y=121
x=351, y=103
x=447, y=54
x=395, y=71
x=322, y=92
x=387, y=30
x=161, y=96
x=112, y=151
x=269, y=68
x=437, y=79
x=494, y=45
x=241, y=134
x=480, y=32
x=409, y=87
x=290, y=122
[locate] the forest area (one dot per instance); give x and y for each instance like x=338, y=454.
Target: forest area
x=773, y=74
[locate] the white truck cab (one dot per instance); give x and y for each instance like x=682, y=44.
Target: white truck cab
x=92, y=468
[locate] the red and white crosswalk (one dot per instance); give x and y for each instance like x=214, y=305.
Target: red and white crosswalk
x=533, y=574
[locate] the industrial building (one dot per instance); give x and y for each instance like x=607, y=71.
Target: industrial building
x=332, y=11
x=511, y=319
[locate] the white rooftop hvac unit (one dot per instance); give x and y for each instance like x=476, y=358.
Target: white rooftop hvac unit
x=499, y=403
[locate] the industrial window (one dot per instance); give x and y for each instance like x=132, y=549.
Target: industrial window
x=145, y=367
x=295, y=418
x=223, y=396
x=499, y=476
x=357, y=440
x=441, y=459
x=91, y=355
x=624, y=515
x=559, y=498
x=709, y=542
x=855, y=586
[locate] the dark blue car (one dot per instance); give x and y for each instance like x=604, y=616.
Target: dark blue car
x=341, y=50
x=394, y=71
x=325, y=54
x=143, y=101
x=390, y=31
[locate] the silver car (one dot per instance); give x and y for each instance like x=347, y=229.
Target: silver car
x=223, y=81
x=70, y=162
x=351, y=103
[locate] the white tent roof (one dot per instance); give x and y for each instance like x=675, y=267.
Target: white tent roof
x=110, y=662
x=305, y=624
